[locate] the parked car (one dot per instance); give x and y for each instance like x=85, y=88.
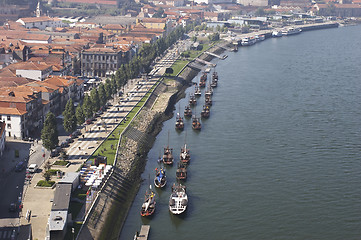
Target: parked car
x=33, y=168
x=69, y=139
x=54, y=153
x=88, y=121
x=20, y=166
x=64, y=144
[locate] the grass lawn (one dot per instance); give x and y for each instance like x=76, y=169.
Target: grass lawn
x=177, y=66
x=105, y=149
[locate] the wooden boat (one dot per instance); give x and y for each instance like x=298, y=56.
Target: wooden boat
x=187, y=111
x=197, y=91
x=209, y=91
x=181, y=173
x=202, y=82
x=148, y=206
x=208, y=100
x=192, y=100
x=168, y=154
x=214, y=76
x=179, y=124
x=196, y=124
x=204, y=76
x=205, y=112
x=160, y=179
x=178, y=200
x=185, y=156
x=214, y=83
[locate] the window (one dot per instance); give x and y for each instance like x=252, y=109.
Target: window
x=9, y=126
x=9, y=118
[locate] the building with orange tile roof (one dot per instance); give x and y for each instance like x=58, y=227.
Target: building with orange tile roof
x=31, y=70
x=40, y=22
x=103, y=62
x=21, y=110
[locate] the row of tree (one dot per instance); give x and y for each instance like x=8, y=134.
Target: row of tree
x=74, y=116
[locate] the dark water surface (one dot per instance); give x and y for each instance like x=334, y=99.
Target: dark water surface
x=279, y=157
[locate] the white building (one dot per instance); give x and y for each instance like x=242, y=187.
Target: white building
x=40, y=22
x=13, y=122
x=259, y=3
x=32, y=70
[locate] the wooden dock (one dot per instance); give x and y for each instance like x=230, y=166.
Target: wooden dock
x=144, y=232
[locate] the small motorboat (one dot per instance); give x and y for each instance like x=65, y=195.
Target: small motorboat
x=160, y=179
x=148, y=206
x=178, y=200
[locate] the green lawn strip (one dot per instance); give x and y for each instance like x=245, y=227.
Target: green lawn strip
x=105, y=148
x=177, y=66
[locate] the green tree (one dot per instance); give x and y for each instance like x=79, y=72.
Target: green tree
x=87, y=107
x=169, y=70
x=47, y=176
x=95, y=100
x=70, y=122
x=260, y=12
x=108, y=89
x=49, y=133
x=102, y=94
x=80, y=117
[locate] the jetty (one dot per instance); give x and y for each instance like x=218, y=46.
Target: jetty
x=143, y=234
x=205, y=62
x=215, y=55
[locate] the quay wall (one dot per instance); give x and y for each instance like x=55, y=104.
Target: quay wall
x=319, y=26
x=109, y=212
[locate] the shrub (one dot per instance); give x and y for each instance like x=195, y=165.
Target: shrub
x=61, y=163
x=53, y=172
x=43, y=183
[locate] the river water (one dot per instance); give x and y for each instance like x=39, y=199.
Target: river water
x=279, y=157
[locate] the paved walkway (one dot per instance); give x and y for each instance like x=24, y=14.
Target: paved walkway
x=39, y=200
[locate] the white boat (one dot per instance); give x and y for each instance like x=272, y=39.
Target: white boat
x=207, y=70
x=248, y=41
x=291, y=31
x=178, y=200
x=276, y=33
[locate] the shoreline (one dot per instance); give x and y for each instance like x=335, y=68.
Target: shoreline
x=114, y=204
x=111, y=218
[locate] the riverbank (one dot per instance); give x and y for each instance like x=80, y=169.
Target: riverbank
x=116, y=199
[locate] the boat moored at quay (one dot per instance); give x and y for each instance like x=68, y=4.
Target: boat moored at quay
x=160, y=179
x=178, y=200
x=148, y=206
x=291, y=31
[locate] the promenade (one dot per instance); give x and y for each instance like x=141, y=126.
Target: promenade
x=39, y=200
